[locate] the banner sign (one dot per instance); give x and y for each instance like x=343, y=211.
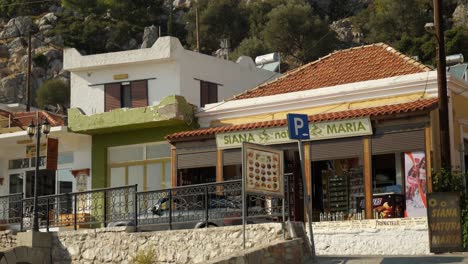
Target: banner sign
x=278, y=135
x=444, y=216
x=263, y=170
x=415, y=181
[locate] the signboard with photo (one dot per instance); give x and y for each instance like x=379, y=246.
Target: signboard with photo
x=263, y=170
x=415, y=181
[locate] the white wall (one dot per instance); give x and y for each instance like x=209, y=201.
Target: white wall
x=174, y=68
x=90, y=98
x=233, y=77
x=80, y=145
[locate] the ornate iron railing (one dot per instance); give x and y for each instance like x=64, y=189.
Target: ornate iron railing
x=202, y=205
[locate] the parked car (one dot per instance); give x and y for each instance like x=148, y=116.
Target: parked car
x=185, y=214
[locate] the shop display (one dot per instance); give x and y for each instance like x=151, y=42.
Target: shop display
x=338, y=193
x=385, y=205
x=356, y=187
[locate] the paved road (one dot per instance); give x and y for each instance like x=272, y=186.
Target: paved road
x=443, y=259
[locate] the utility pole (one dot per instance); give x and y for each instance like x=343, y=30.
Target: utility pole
x=442, y=87
x=28, y=77
x=169, y=23
x=197, y=25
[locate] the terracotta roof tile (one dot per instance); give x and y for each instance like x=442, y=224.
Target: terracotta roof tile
x=371, y=62
x=354, y=113
x=22, y=119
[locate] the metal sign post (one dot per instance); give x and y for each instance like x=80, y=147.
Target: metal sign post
x=298, y=128
x=262, y=174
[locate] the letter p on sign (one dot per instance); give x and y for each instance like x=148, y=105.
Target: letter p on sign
x=298, y=126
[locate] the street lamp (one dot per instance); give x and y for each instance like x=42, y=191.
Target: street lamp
x=36, y=130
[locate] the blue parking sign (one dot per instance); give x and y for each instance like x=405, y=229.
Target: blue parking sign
x=298, y=126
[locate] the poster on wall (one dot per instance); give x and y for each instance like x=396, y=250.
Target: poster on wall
x=263, y=170
x=415, y=183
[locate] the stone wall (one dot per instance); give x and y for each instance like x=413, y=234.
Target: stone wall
x=406, y=236
x=113, y=245
x=7, y=240
x=290, y=252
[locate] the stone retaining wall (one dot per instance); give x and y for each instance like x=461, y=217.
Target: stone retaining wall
x=113, y=245
x=290, y=252
x=406, y=236
x=7, y=240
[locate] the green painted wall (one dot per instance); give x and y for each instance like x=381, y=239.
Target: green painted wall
x=104, y=141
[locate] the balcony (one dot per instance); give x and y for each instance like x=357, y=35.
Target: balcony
x=171, y=111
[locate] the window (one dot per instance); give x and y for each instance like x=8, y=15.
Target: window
x=127, y=94
x=208, y=93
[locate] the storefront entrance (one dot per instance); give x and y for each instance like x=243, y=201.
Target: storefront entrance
x=292, y=172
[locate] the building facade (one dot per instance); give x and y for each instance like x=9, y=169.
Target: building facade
x=129, y=101
x=17, y=156
x=374, y=134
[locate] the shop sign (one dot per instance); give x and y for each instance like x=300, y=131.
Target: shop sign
x=445, y=234
x=31, y=150
x=263, y=170
x=318, y=131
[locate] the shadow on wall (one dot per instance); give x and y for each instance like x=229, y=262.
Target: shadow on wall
x=59, y=252
x=26, y=255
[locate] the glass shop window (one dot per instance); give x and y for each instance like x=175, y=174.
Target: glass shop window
x=232, y=172
x=337, y=186
x=196, y=176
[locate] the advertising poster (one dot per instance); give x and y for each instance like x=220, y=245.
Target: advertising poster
x=415, y=183
x=263, y=170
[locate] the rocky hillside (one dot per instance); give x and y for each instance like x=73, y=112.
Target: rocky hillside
x=124, y=25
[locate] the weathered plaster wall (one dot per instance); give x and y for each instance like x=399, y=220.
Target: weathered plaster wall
x=181, y=246
x=408, y=236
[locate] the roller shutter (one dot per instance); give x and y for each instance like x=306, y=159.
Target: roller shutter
x=112, y=96
x=398, y=142
x=232, y=157
x=336, y=148
x=139, y=92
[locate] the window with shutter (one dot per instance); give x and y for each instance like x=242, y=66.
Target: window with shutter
x=139, y=93
x=112, y=98
x=208, y=93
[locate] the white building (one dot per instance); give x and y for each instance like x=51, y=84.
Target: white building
x=129, y=101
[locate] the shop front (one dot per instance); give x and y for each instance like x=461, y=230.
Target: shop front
x=372, y=166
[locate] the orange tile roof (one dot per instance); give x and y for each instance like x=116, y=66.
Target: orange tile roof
x=22, y=119
x=408, y=107
x=371, y=62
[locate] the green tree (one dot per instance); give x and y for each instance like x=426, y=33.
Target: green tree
x=13, y=8
x=390, y=20
x=251, y=47
x=217, y=19
x=53, y=92
x=295, y=31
